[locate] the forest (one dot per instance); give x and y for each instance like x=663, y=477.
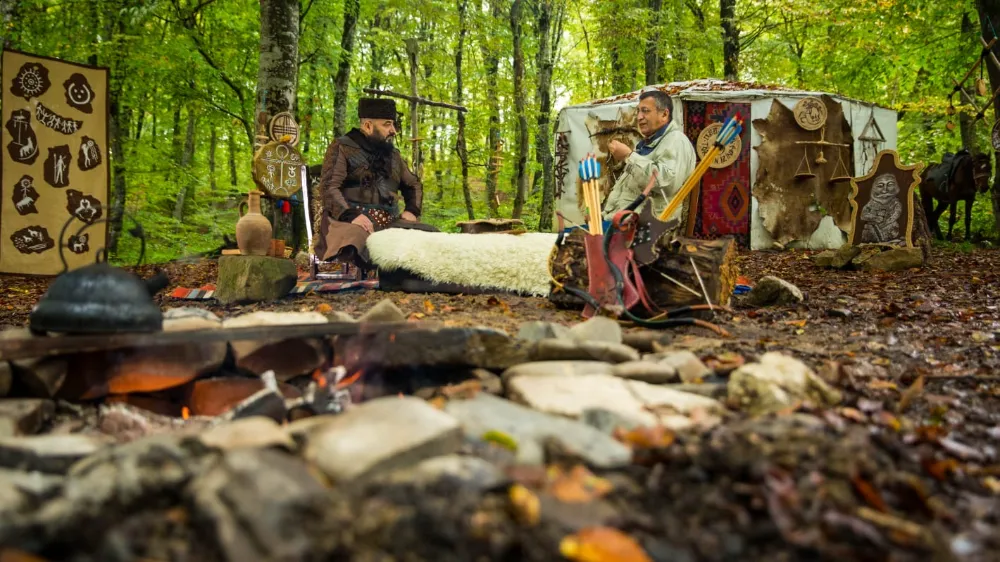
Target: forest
x=187, y=79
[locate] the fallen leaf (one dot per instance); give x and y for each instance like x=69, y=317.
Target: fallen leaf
x=888, y=420
x=646, y=437
x=428, y=306
x=578, y=485
x=992, y=484
x=500, y=438
x=602, y=544
x=939, y=469
x=404, y=300
x=910, y=394
x=438, y=402
x=446, y=309
x=415, y=316
x=494, y=301
x=324, y=308
x=799, y=323
x=854, y=415
x=869, y=493
x=931, y=433
x=882, y=385
x=526, y=507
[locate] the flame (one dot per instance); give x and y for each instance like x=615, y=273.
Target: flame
x=349, y=380
x=319, y=378
x=185, y=412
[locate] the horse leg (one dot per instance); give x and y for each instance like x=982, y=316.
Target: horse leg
x=935, y=215
x=968, y=217
x=952, y=216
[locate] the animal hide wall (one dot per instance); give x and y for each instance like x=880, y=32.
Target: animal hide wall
x=791, y=207
x=55, y=163
x=602, y=132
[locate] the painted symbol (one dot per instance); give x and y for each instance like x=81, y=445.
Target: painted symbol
x=79, y=94
x=89, y=156
x=57, y=166
x=87, y=208
x=79, y=244
x=32, y=240
x=23, y=145
x=25, y=195
x=31, y=81
x=56, y=122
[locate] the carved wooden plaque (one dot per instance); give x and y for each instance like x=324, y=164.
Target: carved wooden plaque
x=810, y=113
x=277, y=169
x=729, y=153
x=882, y=202
x=284, y=124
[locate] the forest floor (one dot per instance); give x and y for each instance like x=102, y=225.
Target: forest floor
x=906, y=467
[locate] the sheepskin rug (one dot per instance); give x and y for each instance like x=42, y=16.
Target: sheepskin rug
x=507, y=262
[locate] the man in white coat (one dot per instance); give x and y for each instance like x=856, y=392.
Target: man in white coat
x=664, y=148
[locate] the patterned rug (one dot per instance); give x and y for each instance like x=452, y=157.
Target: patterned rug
x=720, y=206
x=304, y=286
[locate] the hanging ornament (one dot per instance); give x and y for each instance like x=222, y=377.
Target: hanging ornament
x=286, y=207
x=950, y=126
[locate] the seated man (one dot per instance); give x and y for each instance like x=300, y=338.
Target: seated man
x=363, y=177
x=664, y=148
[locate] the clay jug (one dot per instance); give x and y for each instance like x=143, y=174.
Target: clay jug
x=253, y=231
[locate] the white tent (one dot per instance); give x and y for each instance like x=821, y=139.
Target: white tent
x=734, y=207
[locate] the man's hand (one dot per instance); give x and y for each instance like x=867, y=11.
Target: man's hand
x=365, y=223
x=619, y=150
x=408, y=216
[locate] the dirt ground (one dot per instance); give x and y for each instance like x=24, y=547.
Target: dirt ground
x=912, y=450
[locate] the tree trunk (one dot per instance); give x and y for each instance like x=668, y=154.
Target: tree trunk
x=967, y=39
x=310, y=110
x=463, y=153
x=543, y=135
x=989, y=19
x=116, y=125
x=437, y=157
x=233, y=178
x=416, y=158
x=213, y=142
x=492, y=61
x=175, y=143
x=9, y=15
x=186, y=192
x=277, y=77
x=521, y=174
x=730, y=39
x=342, y=81
x=652, y=57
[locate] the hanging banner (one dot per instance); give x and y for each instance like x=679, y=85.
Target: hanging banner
x=54, y=163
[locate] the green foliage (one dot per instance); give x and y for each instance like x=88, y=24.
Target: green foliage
x=168, y=60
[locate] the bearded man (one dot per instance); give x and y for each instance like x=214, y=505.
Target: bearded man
x=664, y=148
x=363, y=178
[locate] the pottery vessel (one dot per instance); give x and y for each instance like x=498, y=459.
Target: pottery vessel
x=253, y=231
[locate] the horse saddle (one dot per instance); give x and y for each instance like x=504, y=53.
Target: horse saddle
x=602, y=284
x=941, y=174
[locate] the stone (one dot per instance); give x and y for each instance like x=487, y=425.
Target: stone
x=646, y=371
x=254, y=279
x=53, y=454
x=288, y=358
x=339, y=316
x=530, y=429
x=777, y=382
x=895, y=259
x=552, y=350
x=711, y=390
x=598, y=328
x=570, y=395
x=839, y=258
x=41, y=378
x=543, y=368
x=538, y=330
x=689, y=368
x=260, y=504
x=26, y=415
x=468, y=471
x=607, y=421
x=253, y=432
x=771, y=290
x=384, y=311
x=190, y=318
x=379, y=436
x=432, y=347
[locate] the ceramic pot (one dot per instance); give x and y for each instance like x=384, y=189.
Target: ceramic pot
x=253, y=231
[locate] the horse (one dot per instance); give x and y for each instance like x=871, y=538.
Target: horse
x=957, y=178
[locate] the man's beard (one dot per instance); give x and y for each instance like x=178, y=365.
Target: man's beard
x=382, y=149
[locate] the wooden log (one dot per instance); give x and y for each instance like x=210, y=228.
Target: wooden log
x=670, y=281
x=490, y=225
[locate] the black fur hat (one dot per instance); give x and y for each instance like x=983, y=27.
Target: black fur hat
x=376, y=108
